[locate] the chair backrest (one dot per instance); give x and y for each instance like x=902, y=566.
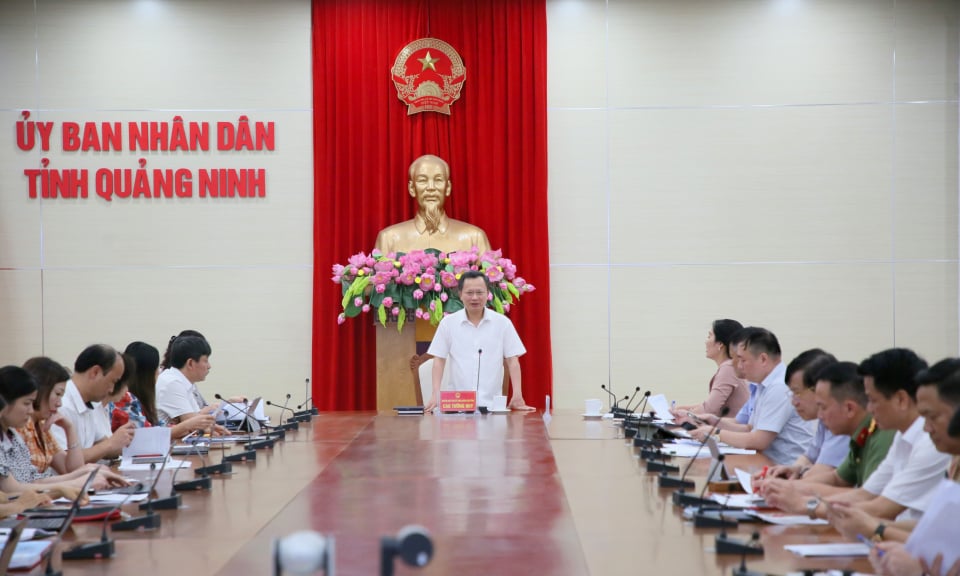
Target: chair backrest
x=426, y=380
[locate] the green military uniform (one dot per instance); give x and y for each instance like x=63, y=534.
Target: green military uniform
x=868, y=448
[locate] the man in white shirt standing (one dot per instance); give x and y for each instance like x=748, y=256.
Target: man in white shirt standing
x=774, y=427
x=95, y=372
x=177, y=396
x=476, y=341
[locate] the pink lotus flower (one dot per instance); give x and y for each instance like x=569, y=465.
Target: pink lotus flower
x=358, y=301
x=433, y=305
x=519, y=283
x=444, y=297
x=341, y=318
x=448, y=280
x=381, y=288
x=418, y=294
x=529, y=288
x=437, y=288
x=395, y=311
x=503, y=285
x=506, y=307
x=388, y=302
x=494, y=274
x=365, y=308
x=427, y=282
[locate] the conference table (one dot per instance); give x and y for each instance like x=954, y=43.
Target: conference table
x=504, y=494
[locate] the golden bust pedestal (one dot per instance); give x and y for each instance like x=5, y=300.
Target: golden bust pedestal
x=395, y=383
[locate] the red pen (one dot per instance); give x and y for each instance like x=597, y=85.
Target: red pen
x=763, y=476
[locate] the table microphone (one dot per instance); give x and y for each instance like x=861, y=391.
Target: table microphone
x=682, y=482
x=662, y=466
x=149, y=521
x=646, y=396
x=613, y=399
x=704, y=520
x=202, y=483
x=105, y=547
x=635, y=392
x=249, y=419
x=312, y=410
x=476, y=394
x=292, y=422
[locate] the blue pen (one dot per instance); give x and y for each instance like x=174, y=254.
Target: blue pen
x=871, y=544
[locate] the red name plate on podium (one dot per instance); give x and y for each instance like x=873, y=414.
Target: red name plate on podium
x=458, y=401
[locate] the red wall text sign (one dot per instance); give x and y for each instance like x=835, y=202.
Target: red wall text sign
x=145, y=138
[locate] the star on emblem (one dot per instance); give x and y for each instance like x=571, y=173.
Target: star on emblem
x=428, y=62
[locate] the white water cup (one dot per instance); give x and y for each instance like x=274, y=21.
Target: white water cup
x=593, y=406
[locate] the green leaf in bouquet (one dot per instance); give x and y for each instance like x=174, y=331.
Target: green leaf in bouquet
x=376, y=299
x=513, y=290
x=453, y=305
x=498, y=305
x=401, y=318
x=407, y=300
x=382, y=315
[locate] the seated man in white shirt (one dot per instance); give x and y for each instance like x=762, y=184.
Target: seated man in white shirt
x=473, y=339
x=177, y=396
x=900, y=487
x=95, y=372
x=938, y=397
x=774, y=427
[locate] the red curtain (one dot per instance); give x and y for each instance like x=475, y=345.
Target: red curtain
x=494, y=140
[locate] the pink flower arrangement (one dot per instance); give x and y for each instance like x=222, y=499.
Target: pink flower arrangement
x=422, y=283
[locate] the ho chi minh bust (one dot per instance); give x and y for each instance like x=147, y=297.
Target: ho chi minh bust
x=431, y=227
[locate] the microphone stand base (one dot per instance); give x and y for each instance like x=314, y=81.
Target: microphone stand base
x=710, y=520
x=149, y=522
x=268, y=443
x=289, y=427
x=276, y=434
x=671, y=482
x=659, y=467
x=92, y=551
x=681, y=498
x=639, y=442
x=301, y=418
x=249, y=455
x=655, y=454
x=170, y=503
x=204, y=483
x=221, y=468
x=727, y=545
x=742, y=571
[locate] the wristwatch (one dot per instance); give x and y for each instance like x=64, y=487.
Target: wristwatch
x=878, y=533
x=812, y=505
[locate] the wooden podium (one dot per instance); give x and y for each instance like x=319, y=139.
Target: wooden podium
x=395, y=384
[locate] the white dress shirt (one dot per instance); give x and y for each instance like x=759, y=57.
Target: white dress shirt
x=175, y=395
x=911, y=471
x=87, y=419
x=460, y=342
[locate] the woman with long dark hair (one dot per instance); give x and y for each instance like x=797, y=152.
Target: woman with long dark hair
x=45, y=453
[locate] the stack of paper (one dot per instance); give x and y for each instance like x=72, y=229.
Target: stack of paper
x=837, y=549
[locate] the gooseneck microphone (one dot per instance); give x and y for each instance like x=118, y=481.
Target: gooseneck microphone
x=629, y=402
x=253, y=425
x=150, y=520
x=293, y=421
x=711, y=519
x=200, y=482
x=613, y=399
x=682, y=482
x=105, y=547
x=646, y=397
x=311, y=410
